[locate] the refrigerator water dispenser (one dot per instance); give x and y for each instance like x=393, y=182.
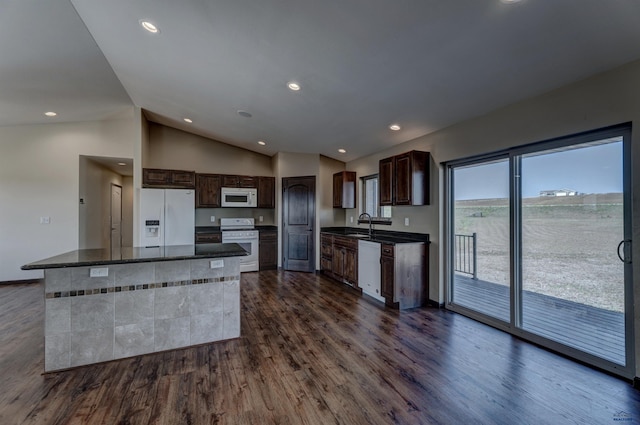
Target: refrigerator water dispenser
x=152, y=228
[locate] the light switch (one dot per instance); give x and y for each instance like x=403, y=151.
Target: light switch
x=45, y=220
x=216, y=264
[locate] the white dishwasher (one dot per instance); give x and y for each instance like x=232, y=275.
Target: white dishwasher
x=369, y=268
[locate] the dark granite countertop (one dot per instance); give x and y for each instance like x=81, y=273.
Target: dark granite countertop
x=267, y=227
x=381, y=236
x=101, y=257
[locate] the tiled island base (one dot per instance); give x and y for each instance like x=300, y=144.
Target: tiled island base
x=137, y=309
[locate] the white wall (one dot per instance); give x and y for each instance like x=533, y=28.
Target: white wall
x=95, y=211
x=39, y=176
x=327, y=215
x=127, y=210
x=287, y=164
x=606, y=99
x=175, y=149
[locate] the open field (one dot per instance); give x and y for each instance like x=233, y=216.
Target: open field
x=568, y=245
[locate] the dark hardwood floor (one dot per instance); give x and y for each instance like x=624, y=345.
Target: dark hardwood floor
x=311, y=352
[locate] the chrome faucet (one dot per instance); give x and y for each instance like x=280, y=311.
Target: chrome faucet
x=364, y=214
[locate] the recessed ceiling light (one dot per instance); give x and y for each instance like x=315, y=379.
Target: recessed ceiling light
x=50, y=114
x=342, y=150
x=262, y=142
x=293, y=85
x=149, y=26
x=189, y=120
x=244, y=114
x=394, y=127
x=122, y=164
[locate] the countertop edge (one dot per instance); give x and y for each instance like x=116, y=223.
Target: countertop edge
x=240, y=252
x=379, y=236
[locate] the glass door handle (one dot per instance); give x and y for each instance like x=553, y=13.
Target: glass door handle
x=623, y=257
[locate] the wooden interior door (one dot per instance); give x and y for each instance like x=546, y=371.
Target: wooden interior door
x=298, y=223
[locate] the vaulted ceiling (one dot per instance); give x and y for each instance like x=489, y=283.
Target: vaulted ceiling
x=361, y=64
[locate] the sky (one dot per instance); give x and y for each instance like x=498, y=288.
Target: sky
x=592, y=169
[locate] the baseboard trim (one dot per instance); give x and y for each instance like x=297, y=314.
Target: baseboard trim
x=432, y=303
x=21, y=282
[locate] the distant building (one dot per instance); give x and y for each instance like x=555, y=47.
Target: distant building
x=558, y=192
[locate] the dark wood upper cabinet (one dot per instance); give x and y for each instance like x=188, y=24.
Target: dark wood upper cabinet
x=385, y=181
x=266, y=192
x=344, y=189
x=230, y=181
x=248, y=181
x=177, y=179
x=208, y=190
x=404, y=179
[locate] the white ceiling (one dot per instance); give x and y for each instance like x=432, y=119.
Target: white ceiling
x=362, y=64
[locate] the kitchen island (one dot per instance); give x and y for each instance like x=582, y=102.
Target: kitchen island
x=102, y=306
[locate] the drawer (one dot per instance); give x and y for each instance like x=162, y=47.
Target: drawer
x=345, y=242
x=208, y=237
x=268, y=235
x=387, y=250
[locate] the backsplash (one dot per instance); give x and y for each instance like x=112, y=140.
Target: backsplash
x=203, y=215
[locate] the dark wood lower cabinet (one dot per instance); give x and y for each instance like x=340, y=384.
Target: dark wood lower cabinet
x=208, y=237
x=387, y=274
x=268, y=250
x=339, y=258
x=351, y=266
x=403, y=274
x=403, y=268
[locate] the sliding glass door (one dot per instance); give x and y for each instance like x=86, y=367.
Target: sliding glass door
x=572, y=212
x=481, y=213
x=539, y=244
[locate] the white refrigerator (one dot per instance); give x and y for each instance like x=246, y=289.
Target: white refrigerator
x=167, y=217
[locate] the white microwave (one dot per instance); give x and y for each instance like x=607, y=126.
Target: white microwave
x=239, y=197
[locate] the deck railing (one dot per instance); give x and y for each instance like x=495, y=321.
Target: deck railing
x=466, y=254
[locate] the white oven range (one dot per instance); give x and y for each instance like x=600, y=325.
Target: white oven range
x=242, y=231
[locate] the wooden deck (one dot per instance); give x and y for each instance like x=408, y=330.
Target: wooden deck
x=311, y=352
x=593, y=330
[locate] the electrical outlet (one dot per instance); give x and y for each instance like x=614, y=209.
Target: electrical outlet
x=261, y=219
x=406, y=221
x=216, y=264
x=213, y=218
x=45, y=220
x=99, y=272
x=351, y=219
